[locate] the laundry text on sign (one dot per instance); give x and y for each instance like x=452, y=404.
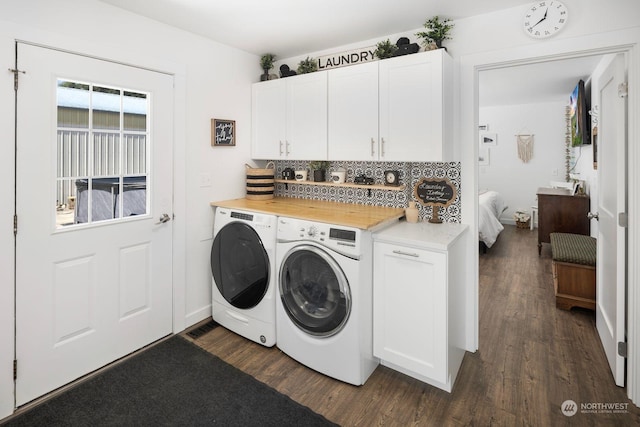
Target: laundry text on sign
x=346, y=58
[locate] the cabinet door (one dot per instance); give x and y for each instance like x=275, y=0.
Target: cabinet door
x=410, y=309
x=353, y=112
x=306, y=135
x=268, y=120
x=411, y=107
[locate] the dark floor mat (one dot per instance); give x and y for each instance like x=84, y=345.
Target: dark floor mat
x=174, y=383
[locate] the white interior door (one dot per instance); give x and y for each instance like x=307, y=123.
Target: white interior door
x=93, y=281
x=611, y=257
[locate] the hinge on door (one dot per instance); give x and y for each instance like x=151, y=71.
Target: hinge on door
x=15, y=225
x=15, y=77
x=623, y=89
x=623, y=220
x=15, y=369
x=622, y=349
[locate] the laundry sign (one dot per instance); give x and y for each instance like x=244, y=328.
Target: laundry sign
x=352, y=57
x=435, y=192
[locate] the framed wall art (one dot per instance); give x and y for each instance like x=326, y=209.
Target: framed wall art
x=488, y=139
x=223, y=132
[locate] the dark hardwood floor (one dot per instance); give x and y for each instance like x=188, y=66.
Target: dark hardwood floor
x=532, y=358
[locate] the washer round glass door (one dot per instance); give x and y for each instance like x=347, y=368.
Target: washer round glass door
x=314, y=291
x=240, y=265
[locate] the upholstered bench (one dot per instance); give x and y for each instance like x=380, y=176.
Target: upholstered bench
x=574, y=270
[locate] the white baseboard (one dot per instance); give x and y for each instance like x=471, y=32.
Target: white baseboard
x=197, y=316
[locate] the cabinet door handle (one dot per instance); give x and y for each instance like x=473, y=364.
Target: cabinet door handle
x=373, y=144
x=413, y=254
x=287, y=148
x=281, y=148
x=381, y=147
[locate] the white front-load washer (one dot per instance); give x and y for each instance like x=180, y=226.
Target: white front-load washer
x=324, y=310
x=244, y=274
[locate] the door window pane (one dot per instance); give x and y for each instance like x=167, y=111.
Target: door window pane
x=104, y=195
x=102, y=153
x=107, y=105
x=135, y=149
x=134, y=196
x=135, y=111
x=106, y=154
x=73, y=152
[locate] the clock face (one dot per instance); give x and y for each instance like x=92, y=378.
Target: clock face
x=391, y=177
x=545, y=18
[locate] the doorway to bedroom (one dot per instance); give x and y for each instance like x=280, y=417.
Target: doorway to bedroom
x=524, y=144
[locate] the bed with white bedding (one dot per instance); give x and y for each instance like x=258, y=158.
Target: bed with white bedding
x=490, y=206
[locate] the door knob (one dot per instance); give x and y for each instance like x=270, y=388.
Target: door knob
x=592, y=215
x=164, y=218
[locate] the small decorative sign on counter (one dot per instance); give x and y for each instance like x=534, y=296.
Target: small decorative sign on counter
x=223, y=132
x=435, y=192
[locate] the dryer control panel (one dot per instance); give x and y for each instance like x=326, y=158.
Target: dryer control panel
x=260, y=222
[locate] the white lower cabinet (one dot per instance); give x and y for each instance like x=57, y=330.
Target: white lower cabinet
x=418, y=302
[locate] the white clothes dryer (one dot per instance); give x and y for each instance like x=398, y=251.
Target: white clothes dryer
x=244, y=274
x=324, y=305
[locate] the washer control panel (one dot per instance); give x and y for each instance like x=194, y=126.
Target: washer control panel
x=339, y=238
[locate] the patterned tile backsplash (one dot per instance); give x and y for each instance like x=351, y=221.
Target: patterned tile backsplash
x=410, y=174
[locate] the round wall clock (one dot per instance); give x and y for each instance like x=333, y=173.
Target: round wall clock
x=392, y=178
x=545, y=18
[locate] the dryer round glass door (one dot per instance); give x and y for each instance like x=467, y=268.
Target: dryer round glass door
x=240, y=265
x=314, y=291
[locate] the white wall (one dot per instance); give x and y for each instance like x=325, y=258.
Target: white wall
x=211, y=80
x=214, y=80
x=506, y=173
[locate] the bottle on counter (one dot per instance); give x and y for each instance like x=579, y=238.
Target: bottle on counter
x=411, y=212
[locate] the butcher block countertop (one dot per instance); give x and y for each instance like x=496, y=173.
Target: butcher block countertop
x=345, y=214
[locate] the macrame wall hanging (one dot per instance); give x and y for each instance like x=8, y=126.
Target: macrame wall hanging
x=525, y=147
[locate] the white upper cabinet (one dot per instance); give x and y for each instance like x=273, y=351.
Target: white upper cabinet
x=396, y=109
x=268, y=120
x=290, y=118
x=415, y=101
x=353, y=112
